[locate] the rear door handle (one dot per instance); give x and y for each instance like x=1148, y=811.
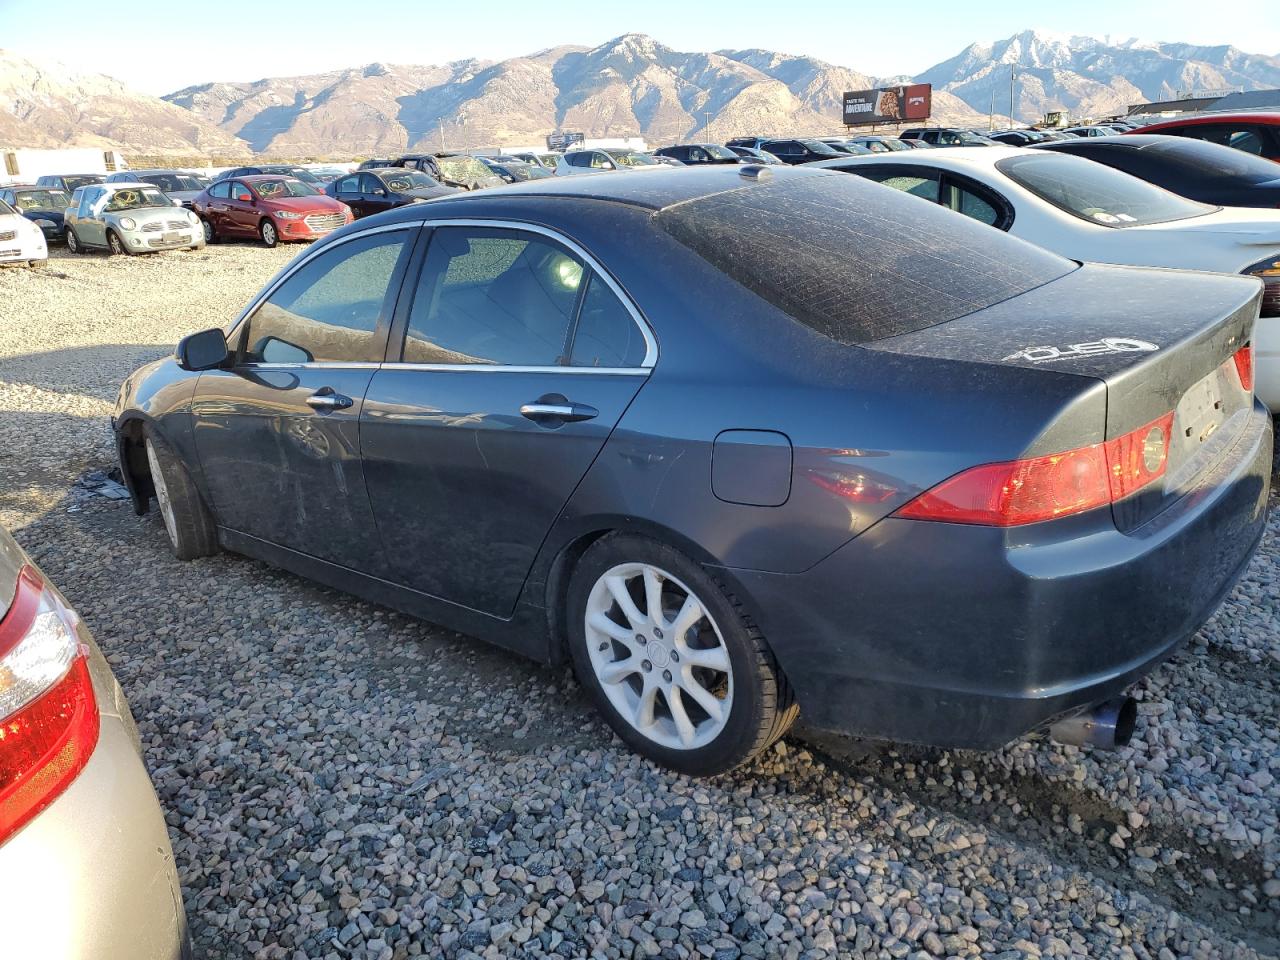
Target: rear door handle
x=567, y=411
x=326, y=399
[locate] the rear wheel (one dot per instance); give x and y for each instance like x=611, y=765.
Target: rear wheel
x=673, y=662
x=267, y=231
x=115, y=246
x=190, y=526
x=73, y=242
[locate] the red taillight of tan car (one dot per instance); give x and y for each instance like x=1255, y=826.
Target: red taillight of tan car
x=1244, y=365
x=48, y=714
x=1043, y=488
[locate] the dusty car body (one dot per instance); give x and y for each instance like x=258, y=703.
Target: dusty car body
x=77, y=809
x=599, y=419
x=128, y=218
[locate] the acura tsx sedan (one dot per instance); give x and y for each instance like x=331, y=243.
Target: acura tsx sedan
x=83, y=843
x=702, y=434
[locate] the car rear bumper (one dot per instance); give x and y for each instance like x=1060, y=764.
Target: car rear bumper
x=93, y=874
x=966, y=636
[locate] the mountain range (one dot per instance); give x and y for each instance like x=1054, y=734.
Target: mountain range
x=629, y=86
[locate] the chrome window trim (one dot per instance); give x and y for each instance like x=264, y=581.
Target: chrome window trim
x=443, y=367
x=650, y=341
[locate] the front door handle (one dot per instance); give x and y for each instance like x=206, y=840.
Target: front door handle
x=565, y=411
x=327, y=399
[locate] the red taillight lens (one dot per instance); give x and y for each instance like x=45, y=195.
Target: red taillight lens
x=1244, y=365
x=1042, y=488
x=48, y=713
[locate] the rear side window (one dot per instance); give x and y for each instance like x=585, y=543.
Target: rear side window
x=856, y=262
x=221, y=189
x=493, y=296
x=606, y=334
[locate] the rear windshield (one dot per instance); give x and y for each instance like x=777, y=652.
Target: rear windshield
x=856, y=261
x=1199, y=158
x=1097, y=193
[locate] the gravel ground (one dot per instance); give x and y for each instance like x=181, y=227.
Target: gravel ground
x=342, y=781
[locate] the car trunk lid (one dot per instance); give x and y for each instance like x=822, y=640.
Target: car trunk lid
x=1161, y=340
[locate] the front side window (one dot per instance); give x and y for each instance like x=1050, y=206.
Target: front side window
x=371, y=184
x=349, y=185
x=1097, y=194
x=601, y=162
x=240, y=192
x=330, y=309
x=493, y=296
x=579, y=159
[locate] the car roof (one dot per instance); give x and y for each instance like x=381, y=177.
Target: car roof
x=957, y=157
x=654, y=191
x=1269, y=117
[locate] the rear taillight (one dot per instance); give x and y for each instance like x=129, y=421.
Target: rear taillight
x=1244, y=365
x=48, y=713
x=1042, y=488
x=1268, y=271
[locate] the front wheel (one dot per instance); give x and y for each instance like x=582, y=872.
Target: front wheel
x=187, y=521
x=209, y=235
x=115, y=246
x=676, y=666
x=267, y=231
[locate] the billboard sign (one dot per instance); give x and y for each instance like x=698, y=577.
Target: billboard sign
x=564, y=141
x=912, y=101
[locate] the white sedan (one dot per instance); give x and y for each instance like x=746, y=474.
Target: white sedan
x=600, y=161
x=1086, y=211
x=21, y=240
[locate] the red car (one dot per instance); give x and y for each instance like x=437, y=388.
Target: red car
x=1253, y=131
x=270, y=207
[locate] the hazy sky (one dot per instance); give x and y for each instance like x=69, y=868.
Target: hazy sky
x=159, y=47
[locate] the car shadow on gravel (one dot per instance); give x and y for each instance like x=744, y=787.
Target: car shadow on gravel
x=90, y=370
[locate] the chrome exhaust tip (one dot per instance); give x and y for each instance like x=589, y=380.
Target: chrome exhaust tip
x=1107, y=725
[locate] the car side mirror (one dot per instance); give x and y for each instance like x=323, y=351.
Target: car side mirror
x=274, y=350
x=206, y=350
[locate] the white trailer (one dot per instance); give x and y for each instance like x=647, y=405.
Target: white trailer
x=24, y=165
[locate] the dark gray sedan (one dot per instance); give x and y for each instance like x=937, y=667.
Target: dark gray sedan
x=737, y=445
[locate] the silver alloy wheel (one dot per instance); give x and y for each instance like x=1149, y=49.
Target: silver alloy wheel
x=659, y=656
x=114, y=243
x=162, y=494
x=73, y=242
x=268, y=233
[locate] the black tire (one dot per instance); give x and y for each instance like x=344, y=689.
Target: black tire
x=115, y=246
x=268, y=233
x=73, y=242
x=192, y=532
x=210, y=235
x=763, y=706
